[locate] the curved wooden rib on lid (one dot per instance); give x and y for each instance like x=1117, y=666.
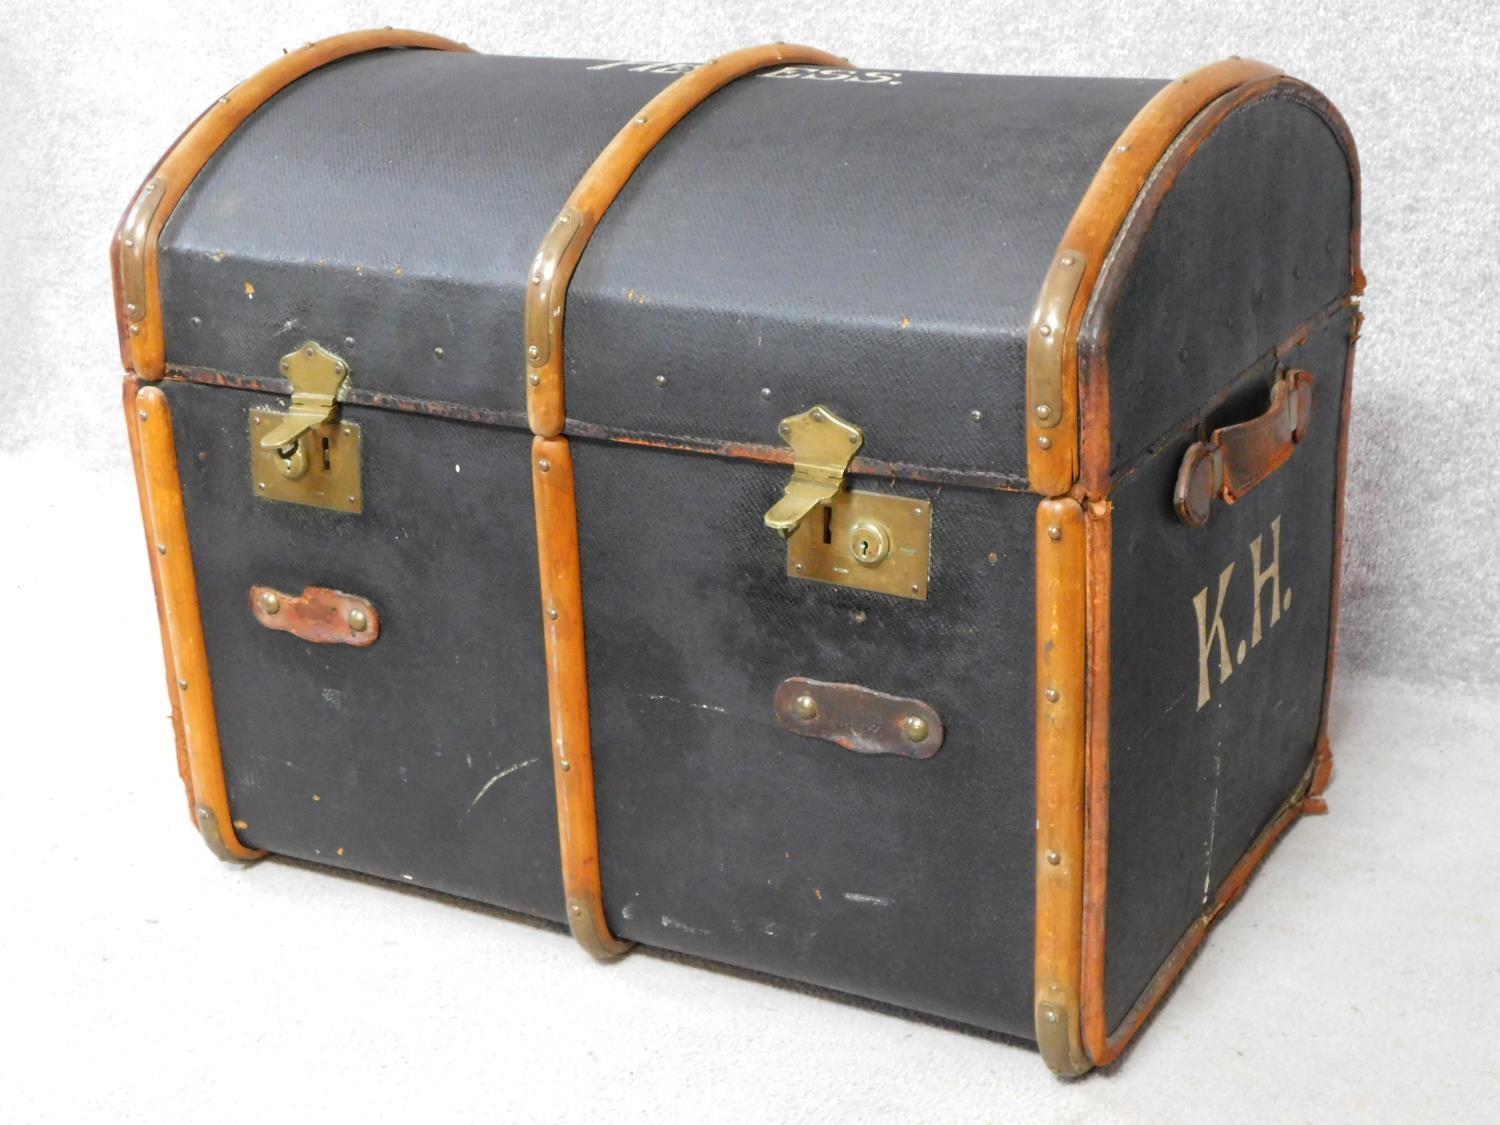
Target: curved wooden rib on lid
x=557, y=257
x=1064, y=575
x=133, y=259
x=138, y=310
x=552, y=466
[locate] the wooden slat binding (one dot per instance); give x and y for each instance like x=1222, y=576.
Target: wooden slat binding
x=563, y=245
x=133, y=253
x=188, y=685
x=552, y=466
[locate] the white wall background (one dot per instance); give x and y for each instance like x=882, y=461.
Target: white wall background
x=93, y=91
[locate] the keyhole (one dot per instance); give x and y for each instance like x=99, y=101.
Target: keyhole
x=827, y=524
x=862, y=548
x=326, y=465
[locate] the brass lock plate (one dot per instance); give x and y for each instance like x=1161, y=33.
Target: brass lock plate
x=867, y=540
x=324, y=472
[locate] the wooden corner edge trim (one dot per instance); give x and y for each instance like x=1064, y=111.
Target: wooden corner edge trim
x=562, y=246
x=133, y=250
x=568, y=695
x=1061, y=576
x=1053, y=451
x=189, y=689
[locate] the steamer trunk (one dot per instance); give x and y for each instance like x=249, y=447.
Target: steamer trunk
x=1012, y=783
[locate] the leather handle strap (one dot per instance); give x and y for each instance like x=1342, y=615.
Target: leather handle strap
x=552, y=268
x=1236, y=458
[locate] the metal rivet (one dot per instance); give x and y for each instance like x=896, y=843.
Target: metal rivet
x=261, y=485
x=1122, y=148
x=799, y=568
x=161, y=548
x=348, y=341
x=535, y=379
x=564, y=218
x=915, y=728
x=916, y=511
x=128, y=241
x=222, y=101
x=536, y=279
x=1054, y=532
x=545, y=465
x=1052, y=696
x=1044, y=330
x=533, y=352
x=270, y=603
x=817, y=415
x=307, y=350
x=1067, y=259
x=783, y=429
x=765, y=392
x=182, y=685
x=152, y=186
x=805, y=707
x=552, y=613
x=915, y=589
x=130, y=307
x=565, y=764
x=359, y=621
x=975, y=415
x=349, y=498
x=1043, y=410
x=576, y=910
x=1044, y=442
x=338, y=368
x=437, y=353
x=197, y=320
x=1051, y=1016
x=143, y=415
x=285, y=366
x=641, y=120
x=135, y=329
x=1053, y=858
x=661, y=380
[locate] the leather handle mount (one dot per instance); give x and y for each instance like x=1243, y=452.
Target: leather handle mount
x=1235, y=459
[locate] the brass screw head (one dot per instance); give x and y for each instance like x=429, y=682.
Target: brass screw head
x=805, y=707
x=1043, y=411
x=270, y=603
x=915, y=728
x=359, y=621
x=533, y=352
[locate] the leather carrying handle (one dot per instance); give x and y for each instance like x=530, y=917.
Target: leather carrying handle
x=1236, y=458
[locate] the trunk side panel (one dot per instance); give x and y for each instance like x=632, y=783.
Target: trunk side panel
x=724, y=835
x=423, y=758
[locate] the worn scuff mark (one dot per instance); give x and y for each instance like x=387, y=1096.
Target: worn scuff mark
x=1213, y=825
x=685, y=703
x=218, y=255
x=288, y=326
x=506, y=772
x=674, y=924
x=866, y=900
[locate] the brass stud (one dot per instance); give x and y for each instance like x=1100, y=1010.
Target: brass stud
x=1044, y=442
x=142, y=415
x=565, y=764
x=915, y=728
x=359, y=621
x=976, y=415
x=533, y=353
x=1053, y=858
x=552, y=613
x=1052, y=695
x=641, y=120
x=1044, y=330
x=1043, y=411
x=535, y=378
x=1067, y=259
x=817, y=415
x=161, y=548
x=348, y=341
x=130, y=306
x=805, y=707
x=285, y=367
x=765, y=392
x=575, y=910
x=545, y=465
x=437, y=353
x=135, y=329
x=661, y=380
x=270, y=603
x=308, y=350
x=182, y=684
x=1054, y=533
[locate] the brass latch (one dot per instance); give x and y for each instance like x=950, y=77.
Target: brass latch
x=869, y=540
x=303, y=456
x=822, y=444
